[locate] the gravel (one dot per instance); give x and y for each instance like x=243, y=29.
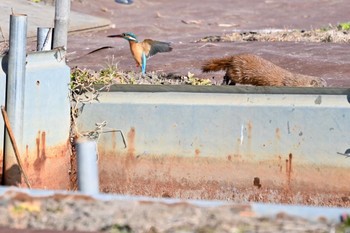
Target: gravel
x=83, y=213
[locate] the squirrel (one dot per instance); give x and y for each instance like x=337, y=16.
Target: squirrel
x=254, y=70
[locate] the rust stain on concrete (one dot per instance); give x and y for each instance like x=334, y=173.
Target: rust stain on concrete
x=249, y=130
x=43, y=143
x=280, y=165
x=131, y=142
x=290, y=163
x=40, y=151
x=197, y=153
x=130, y=158
x=47, y=167
x=256, y=182
x=52, y=170
x=289, y=171
x=278, y=133
x=114, y=141
x=249, y=139
x=215, y=178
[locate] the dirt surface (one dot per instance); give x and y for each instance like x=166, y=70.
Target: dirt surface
x=183, y=22
x=82, y=213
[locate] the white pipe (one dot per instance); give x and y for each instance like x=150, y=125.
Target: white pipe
x=88, y=181
x=15, y=95
x=60, y=37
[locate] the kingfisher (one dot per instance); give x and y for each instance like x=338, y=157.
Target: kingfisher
x=141, y=51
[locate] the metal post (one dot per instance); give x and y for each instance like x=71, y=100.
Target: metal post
x=60, y=37
x=88, y=181
x=44, y=39
x=15, y=95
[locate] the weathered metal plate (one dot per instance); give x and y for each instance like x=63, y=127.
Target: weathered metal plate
x=240, y=143
x=46, y=121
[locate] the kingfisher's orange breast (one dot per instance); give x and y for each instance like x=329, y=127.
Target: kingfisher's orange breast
x=136, y=50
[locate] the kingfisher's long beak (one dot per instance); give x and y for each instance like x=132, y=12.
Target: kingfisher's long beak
x=119, y=35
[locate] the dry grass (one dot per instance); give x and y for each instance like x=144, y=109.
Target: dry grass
x=330, y=35
x=112, y=75
x=3, y=48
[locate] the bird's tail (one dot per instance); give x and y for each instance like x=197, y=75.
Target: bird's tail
x=217, y=64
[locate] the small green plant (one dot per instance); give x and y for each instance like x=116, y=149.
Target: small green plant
x=344, y=26
x=197, y=81
x=24, y=207
x=344, y=227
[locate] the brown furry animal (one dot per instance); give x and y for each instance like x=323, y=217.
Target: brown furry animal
x=254, y=70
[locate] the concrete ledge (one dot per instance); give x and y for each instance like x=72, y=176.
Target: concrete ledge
x=213, y=143
x=260, y=210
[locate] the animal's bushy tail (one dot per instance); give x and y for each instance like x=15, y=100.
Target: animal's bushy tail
x=217, y=64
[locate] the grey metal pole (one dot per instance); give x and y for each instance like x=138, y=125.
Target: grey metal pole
x=44, y=39
x=60, y=37
x=88, y=180
x=15, y=95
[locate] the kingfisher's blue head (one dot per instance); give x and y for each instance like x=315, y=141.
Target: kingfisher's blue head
x=129, y=36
